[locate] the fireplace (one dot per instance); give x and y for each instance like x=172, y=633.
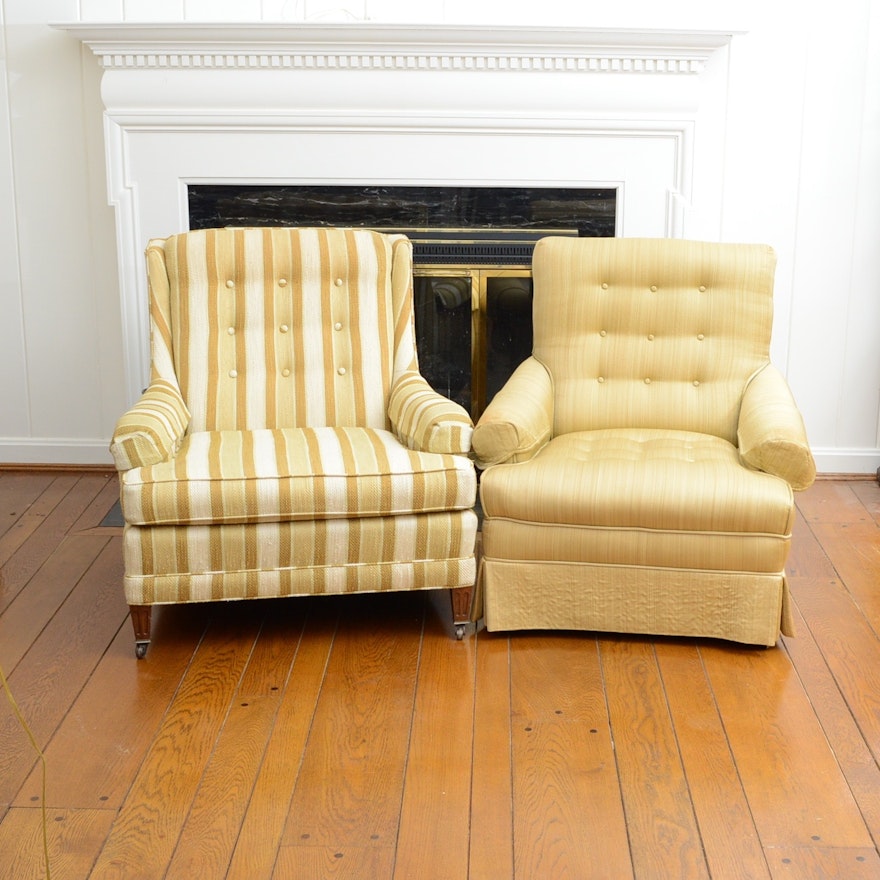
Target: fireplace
x=636, y=113
x=472, y=249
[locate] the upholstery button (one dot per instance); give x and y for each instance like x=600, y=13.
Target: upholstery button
x=285, y=372
x=650, y=337
x=653, y=288
x=700, y=337
x=230, y=331
x=233, y=374
x=603, y=332
x=702, y=288
x=282, y=282
x=230, y=283
x=604, y=285
x=601, y=379
x=337, y=325
x=341, y=371
x=338, y=282
x=284, y=328
x=647, y=381
x=696, y=383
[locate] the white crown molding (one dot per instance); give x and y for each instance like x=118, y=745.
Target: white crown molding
x=370, y=47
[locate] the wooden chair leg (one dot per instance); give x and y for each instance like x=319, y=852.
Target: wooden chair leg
x=141, y=616
x=461, y=610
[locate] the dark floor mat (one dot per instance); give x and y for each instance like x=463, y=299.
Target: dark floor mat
x=113, y=518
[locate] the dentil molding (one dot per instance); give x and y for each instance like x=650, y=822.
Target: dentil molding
x=366, y=47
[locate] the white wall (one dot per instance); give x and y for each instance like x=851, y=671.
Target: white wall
x=59, y=335
x=802, y=172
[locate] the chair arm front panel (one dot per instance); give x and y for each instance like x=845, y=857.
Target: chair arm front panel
x=425, y=420
x=153, y=429
x=519, y=420
x=771, y=432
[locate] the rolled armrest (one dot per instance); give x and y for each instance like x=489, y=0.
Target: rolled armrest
x=425, y=420
x=519, y=420
x=151, y=431
x=771, y=432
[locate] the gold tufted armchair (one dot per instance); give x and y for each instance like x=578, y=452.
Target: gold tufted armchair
x=639, y=466
x=287, y=443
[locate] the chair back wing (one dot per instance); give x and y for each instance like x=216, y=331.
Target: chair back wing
x=652, y=333
x=282, y=327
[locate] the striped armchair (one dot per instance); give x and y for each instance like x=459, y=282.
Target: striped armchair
x=639, y=467
x=287, y=444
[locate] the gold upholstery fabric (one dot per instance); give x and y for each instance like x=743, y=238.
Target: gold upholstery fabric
x=642, y=497
x=287, y=442
x=639, y=467
x=520, y=420
x=770, y=430
x=666, y=339
x=751, y=609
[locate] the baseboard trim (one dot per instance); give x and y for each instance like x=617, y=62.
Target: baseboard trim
x=24, y=452
x=837, y=462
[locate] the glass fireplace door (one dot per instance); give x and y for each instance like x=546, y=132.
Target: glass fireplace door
x=473, y=328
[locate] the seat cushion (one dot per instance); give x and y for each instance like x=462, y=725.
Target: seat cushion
x=638, y=497
x=276, y=475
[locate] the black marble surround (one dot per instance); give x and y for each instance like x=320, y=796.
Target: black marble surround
x=448, y=224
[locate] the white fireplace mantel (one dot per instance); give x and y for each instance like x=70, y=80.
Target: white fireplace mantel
x=641, y=111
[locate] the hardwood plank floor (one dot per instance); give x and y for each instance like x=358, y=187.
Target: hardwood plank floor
x=355, y=738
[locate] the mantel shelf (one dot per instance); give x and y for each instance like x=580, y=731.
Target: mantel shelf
x=368, y=46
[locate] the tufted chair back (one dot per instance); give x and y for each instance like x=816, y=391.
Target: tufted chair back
x=671, y=331
x=280, y=327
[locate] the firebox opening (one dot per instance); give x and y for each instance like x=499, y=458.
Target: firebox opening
x=472, y=252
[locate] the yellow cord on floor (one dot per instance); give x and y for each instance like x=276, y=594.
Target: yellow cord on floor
x=42, y=757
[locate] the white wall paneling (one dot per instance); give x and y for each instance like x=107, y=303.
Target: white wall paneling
x=754, y=122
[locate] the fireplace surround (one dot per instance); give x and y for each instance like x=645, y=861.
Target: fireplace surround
x=639, y=112
x=472, y=258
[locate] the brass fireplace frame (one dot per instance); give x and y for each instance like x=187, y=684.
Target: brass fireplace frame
x=479, y=278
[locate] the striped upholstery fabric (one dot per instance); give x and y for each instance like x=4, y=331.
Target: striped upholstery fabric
x=425, y=420
x=269, y=560
x=616, y=495
x=287, y=443
x=294, y=474
x=153, y=429
x=264, y=329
